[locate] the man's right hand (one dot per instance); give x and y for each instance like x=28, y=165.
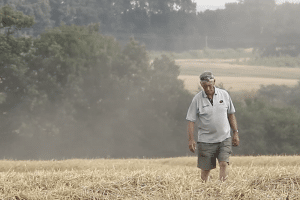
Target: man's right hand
x=192, y=145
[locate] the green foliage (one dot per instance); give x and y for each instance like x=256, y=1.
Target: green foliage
x=40, y=10
x=172, y=25
x=269, y=123
x=74, y=66
x=14, y=19
x=76, y=80
x=281, y=95
x=13, y=66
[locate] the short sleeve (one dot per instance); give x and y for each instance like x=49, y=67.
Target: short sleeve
x=193, y=111
x=231, y=109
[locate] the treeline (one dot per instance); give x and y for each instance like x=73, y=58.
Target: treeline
x=73, y=92
x=174, y=25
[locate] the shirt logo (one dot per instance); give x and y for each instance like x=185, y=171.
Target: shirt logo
x=221, y=101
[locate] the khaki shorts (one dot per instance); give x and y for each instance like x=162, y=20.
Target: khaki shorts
x=208, y=152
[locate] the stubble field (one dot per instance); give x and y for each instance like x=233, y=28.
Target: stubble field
x=262, y=177
x=234, y=77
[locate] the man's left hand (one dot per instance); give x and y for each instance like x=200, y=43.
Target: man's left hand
x=235, y=140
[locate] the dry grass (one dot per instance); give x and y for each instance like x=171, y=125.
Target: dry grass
x=225, y=68
x=264, y=177
x=235, y=84
x=235, y=77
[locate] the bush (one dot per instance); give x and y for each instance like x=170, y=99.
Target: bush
x=269, y=121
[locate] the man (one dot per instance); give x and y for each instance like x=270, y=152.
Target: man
x=215, y=111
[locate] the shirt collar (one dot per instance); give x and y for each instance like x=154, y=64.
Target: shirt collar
x=204, y=94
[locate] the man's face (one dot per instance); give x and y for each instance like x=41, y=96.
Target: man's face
x=208, y=86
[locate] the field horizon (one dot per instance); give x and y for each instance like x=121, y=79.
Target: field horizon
x=234, y=77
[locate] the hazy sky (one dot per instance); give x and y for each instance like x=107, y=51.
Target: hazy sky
x=215, y=4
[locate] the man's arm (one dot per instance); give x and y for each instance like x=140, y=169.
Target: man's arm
x=234, y=127
x=192, y=143
x=190, y=130
x=233, y=123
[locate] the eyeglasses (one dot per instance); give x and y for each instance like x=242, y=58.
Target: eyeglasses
x=208, y=82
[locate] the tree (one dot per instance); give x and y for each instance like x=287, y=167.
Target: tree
x=14, y=20
x=12, y=52
x=83, y=82
x=269, y=123
x=12, y=67
x=40, y=10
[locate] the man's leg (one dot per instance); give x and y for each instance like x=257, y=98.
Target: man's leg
x=206, y=159
x=223, y=170
x=204, y=175
x=223, y=158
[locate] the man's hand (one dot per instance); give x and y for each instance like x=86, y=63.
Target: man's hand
x=192, y=145
x=235, y=140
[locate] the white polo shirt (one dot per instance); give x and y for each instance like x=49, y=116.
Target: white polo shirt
x=214, y=125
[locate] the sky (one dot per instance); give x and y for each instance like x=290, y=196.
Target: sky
x=203, y=5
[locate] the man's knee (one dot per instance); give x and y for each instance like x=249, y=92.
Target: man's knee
x=205, y=171
x=223, y=164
